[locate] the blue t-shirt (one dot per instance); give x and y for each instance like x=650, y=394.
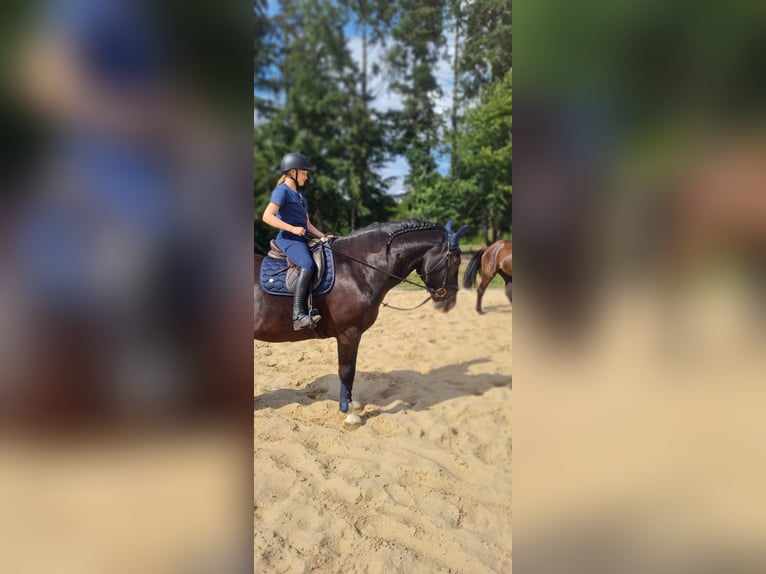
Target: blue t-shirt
x=292, y=207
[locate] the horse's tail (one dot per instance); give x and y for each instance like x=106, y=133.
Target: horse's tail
x=469, y=277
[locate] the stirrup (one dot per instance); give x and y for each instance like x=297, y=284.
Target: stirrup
x=305, y=321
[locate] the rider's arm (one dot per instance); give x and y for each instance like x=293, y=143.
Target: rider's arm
x=315, y=231
x=270, y=218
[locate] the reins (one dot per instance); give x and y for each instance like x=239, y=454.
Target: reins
x=426, y=300
x=440, y=292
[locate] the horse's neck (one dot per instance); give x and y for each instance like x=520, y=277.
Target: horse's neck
x=403, y=257
x=404, y=260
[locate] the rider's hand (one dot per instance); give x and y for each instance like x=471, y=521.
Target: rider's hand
x=299, y=231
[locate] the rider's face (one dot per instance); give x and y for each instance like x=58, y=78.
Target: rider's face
x=303, y=176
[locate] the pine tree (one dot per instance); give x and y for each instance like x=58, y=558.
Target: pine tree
x=487, y=54
x=322, y=113
x=417, y=34
x=485, y=149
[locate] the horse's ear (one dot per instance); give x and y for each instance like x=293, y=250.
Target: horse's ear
x=452, y=238
x=460, y=232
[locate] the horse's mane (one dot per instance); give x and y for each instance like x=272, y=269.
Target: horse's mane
x=395, y=228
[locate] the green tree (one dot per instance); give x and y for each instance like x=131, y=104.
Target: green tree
x=263, y=59
x=322, y=113
x=487, y=54
x=367, y=147
x=484, y=147
x=417, y=35
x=321, y=104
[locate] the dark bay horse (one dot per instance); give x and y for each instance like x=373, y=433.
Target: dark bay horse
x=497, y=258
x=368, y=263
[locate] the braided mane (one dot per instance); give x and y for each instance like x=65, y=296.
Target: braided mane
x=406, y=225
x=396, y=228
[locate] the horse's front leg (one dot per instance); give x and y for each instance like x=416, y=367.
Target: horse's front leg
x=348, y=346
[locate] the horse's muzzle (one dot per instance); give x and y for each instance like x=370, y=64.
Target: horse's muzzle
x=444, y=300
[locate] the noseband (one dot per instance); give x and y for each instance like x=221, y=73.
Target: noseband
x=441, y=292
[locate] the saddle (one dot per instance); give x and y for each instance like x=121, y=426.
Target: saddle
x=279, y=273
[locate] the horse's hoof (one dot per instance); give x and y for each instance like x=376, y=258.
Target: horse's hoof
x=352, y=419
x=356, y=405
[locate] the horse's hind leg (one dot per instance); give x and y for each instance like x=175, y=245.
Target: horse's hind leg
x=480, y=293
x=508, y=287
x=508, y=278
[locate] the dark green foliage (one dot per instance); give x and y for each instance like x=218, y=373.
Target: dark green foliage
x=487, y=54
x=312, y=96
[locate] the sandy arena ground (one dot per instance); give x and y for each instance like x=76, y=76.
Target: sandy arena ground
x=424, y=485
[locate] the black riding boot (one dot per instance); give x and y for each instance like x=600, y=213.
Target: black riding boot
x=301, y=319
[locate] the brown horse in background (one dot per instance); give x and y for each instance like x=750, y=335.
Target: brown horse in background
x=497, y=258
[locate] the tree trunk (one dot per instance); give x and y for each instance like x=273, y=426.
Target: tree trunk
x=363, y=18
x=490, y=235
x=455, y=77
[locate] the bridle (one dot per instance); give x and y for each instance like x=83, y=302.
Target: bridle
x=451, y=246
x=441, y=292
x=433, y=294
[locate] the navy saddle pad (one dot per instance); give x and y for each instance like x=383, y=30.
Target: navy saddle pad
x=274, y=275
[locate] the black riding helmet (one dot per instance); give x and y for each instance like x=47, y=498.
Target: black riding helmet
x=295, y=161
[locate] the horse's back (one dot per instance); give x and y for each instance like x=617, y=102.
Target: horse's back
x=495, y=253
x=498, y=257
x=505, y=257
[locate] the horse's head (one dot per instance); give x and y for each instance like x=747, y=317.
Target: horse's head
x=440, y=268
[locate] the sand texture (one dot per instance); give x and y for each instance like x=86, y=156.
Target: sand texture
x=424, y=484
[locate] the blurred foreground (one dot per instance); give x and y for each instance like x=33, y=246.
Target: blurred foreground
x=125, y=423
x=640, y=289
x=171, y=503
